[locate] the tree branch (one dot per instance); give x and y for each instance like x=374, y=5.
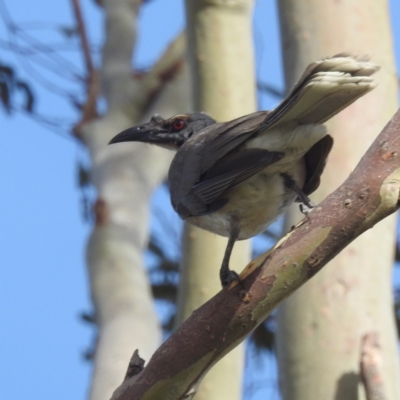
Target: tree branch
x=82, y=33
x=369, y=194
x=371, y=367
x=89, y=109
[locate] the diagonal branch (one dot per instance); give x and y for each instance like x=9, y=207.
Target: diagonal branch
x=89, y=109
x=370, y=194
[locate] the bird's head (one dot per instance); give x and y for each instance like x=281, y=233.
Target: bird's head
x=170, y=133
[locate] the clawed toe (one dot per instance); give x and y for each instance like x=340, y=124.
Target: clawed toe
x=306, y=208
x=229, y=276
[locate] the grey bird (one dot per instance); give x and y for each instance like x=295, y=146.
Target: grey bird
x=235, y=178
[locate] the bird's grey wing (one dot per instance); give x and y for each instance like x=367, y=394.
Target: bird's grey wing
x=325, y=88
x=315, y=160
x=220, y=139
x=206, y=148
x=207, y=195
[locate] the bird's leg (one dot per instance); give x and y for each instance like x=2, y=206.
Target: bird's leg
x=227, y=275
x=307, y=205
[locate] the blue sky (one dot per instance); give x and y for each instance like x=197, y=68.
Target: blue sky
x=43, y=283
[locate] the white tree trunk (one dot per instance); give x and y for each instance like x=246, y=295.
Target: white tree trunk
x=221, y=50
x=320, y=328
x=125, y=176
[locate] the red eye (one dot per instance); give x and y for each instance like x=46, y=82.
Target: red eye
x=178, y=124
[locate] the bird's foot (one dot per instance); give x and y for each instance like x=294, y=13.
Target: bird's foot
x=306, y=208
x=227, y=276
x=307, y=205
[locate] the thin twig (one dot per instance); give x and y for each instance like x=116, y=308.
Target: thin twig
x=89, y=110
x=84, y=39
x=15, y=33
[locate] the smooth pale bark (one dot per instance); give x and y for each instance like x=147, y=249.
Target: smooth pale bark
x=222, y=61
x=321, y=326
x=125, y=176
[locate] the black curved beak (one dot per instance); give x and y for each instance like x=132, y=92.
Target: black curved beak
x=149, y=133
x=134, y=134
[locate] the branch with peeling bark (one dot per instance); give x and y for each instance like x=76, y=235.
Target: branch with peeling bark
x=370, y=194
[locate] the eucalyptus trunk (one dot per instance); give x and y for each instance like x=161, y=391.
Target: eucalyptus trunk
x=222, y=61
x=125, y=177
x=321, y=326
